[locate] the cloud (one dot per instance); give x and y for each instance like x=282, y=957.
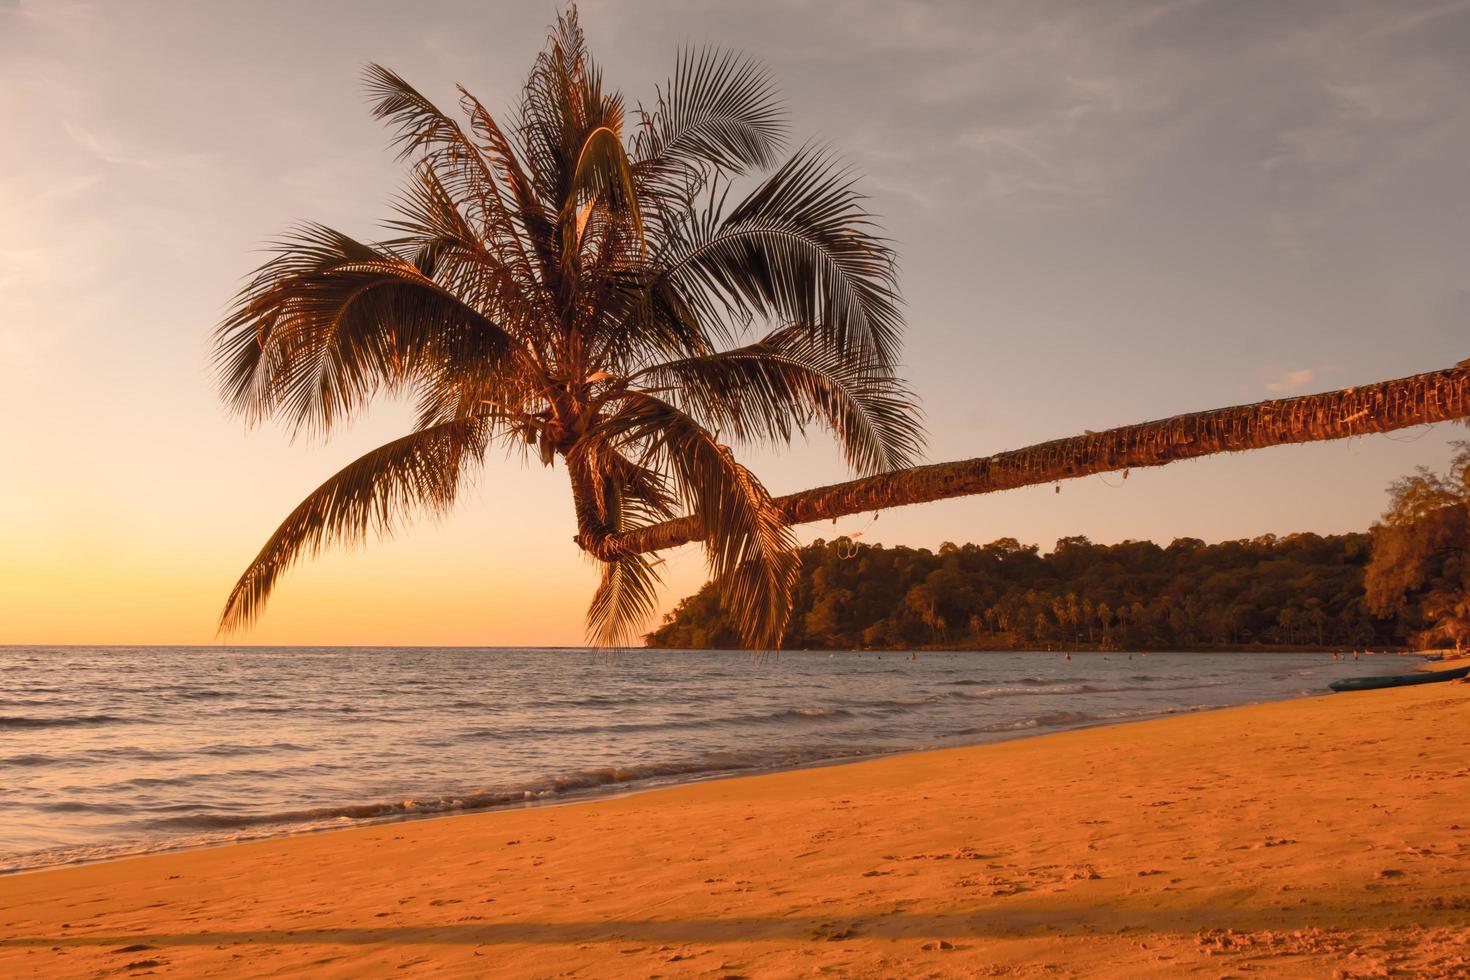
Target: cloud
x=1310, y=110
x=1298, y=379
x=118, y=150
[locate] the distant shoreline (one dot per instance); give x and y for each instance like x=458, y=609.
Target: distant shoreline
x=1096, y=648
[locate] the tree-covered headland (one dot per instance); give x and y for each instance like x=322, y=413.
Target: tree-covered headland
x=1403, y=583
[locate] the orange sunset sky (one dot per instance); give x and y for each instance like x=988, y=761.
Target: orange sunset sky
x=1105, y=213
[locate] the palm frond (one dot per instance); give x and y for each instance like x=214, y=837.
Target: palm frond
x=529, y=213
x=422, y=470
x=720, y=109
x=464, y=262
x=423, y=130
x=476, y=178
x=771, y=390
x=561, y=104
x=331, y=321
x=801, y=248
x=646, y=322
x=624, y=603
x=602, y=172
x=751, y=551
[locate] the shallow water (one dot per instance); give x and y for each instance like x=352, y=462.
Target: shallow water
x=121, y=750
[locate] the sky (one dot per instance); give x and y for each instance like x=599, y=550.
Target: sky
x=1106, y=212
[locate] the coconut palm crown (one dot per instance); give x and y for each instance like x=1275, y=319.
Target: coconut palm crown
x=627, y=289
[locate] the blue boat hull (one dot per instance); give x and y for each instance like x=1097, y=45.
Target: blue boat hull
x=1399, y=680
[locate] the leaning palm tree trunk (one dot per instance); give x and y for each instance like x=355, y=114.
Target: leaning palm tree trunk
x=1383, y=407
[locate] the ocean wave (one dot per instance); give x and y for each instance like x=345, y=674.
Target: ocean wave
x=319, y=709
x=753, y=719
x=82, y=806
x=66, y=721
x=1003, y=691
x=1055, y=719
x=238, y=748
x=204, y=694
x=38, y=703
x=1007, y=690
x=195, y=779
x=871, y=708
x=529, y=791
x=135, y=753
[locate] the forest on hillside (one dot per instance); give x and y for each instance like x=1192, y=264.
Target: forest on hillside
x=1303, y=589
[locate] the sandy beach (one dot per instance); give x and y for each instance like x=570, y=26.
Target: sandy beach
x=1322, y=837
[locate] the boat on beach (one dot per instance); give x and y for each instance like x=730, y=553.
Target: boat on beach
x=1398, y=680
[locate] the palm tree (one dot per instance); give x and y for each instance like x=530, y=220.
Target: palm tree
x=587, y=283
x=1385, y=406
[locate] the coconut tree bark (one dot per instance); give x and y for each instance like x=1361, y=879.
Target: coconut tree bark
x=1382, y=407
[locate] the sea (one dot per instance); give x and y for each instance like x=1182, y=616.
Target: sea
x=113, y=751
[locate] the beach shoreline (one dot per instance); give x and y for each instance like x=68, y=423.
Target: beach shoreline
x=609, y=791
x=1313, y=837
x=574, y=784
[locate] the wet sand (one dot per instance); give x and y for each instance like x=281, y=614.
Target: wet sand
x=1323, y=837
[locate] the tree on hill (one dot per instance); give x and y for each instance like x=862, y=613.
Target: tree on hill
x=1419, y=552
